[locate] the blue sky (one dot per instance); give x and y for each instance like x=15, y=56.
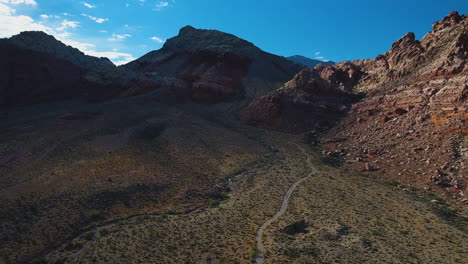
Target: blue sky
x=329, y=30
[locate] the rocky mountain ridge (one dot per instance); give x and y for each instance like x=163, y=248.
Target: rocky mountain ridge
x=415, y=93
x=42, y=42
x=205, y=66
x=37, y=68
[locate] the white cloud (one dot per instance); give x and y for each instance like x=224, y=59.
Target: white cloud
x=118, y=37
x=19, y=2
x=161, y=5
x=88, y=5
x=317, y=53
x=12, y=24
x=96, y=19
x=6, y=10
x=158, y=39
x=68, y=24
x=118, y=58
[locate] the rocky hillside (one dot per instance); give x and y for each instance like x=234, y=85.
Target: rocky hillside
x=37, y=68
x=308, y=62
x=411, y=124
x=205, y=66
x=313, y=98
x=42, y=42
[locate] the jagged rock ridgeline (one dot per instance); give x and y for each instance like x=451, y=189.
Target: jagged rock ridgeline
x=411, y=123
x=429, y=72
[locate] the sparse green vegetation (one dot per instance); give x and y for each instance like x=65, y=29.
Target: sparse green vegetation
x=311, y=139
x=213, y=203
x=333, y=161
x=441, y=208
x=96, y=214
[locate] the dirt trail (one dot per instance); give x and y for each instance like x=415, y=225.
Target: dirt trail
x=259, y=238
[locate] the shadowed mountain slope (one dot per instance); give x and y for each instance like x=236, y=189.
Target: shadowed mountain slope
x=37, y=68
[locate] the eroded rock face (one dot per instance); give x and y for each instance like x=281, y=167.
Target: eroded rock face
x=205, y=66
x=308, y=100
x=413, y=119
x=412, y=124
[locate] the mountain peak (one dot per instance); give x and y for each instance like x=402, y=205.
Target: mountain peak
x=453, y=18
x=192, y=39
x=186, y=29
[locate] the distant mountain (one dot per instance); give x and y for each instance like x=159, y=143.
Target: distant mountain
x=206, y=66
x=37, y=68
x=311, y=63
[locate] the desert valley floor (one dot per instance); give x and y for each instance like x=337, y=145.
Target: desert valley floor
x=333, y=216
x=211, y=150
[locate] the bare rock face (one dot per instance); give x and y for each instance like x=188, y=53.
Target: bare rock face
x=413, y=119
x=308, y=100
x=205, y=66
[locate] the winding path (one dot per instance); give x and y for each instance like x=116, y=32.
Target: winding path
x=260, y=247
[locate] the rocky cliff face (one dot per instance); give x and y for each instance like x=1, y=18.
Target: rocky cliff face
x=412, y=123
x=313, y=98
x=37, y=68
x=205, y=66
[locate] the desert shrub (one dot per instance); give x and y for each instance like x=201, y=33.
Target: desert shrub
x=88, y=236
x=213, y=203
x=333, y=161
x=96, y=214
x=103, y=232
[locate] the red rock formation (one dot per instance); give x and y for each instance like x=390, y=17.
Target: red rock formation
x=312, y=98
x=413, y=119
